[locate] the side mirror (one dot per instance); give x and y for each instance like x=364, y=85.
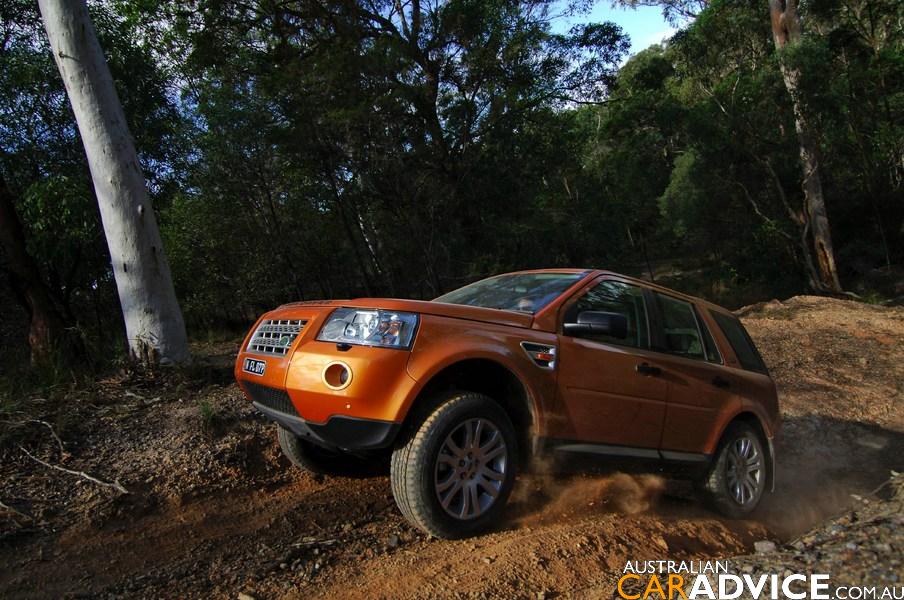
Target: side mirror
x=592, y=322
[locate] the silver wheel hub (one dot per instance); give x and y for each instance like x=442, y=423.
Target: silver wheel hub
x=745, y=470
x=470, y=468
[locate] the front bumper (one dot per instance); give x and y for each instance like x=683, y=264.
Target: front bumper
x=337, y=432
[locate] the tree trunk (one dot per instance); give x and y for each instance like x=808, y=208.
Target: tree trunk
x=786, y=30
x=154, y=325
x=45, y=326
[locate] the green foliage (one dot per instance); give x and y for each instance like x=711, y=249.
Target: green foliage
x=209, y=416
x=378, y=157
x=307, y=149
x=683, y=201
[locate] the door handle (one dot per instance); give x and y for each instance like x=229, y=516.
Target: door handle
x=647, y=370
x=720, y=382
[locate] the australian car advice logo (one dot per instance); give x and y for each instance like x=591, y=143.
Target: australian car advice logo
x=713, y=580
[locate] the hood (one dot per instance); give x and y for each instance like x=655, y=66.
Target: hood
x=424, y=307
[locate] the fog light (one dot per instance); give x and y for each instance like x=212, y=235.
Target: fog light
x=337, y=375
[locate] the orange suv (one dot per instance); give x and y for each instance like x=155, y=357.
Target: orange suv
x=464, y=389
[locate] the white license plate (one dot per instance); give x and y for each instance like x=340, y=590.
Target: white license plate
x=255, y=367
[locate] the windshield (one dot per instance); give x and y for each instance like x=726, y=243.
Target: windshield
x=525, y=292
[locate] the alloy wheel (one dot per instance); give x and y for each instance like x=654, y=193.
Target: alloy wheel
x=745, y=473
x=470, y=468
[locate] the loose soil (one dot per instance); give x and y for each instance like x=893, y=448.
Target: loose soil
x=215, y=511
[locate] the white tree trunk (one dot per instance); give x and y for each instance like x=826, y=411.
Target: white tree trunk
x=153, y=320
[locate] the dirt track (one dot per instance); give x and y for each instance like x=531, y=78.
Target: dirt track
x=214, y=510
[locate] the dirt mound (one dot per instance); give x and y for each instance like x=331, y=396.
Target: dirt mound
x=214, y=509
x=839, y=368
x=836, y=358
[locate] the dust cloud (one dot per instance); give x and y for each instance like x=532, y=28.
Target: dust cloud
x=544, y=497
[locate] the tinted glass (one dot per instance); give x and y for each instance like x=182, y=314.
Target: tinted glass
x=525, y=292
x=680, y=332
x=740, y=342
x=621, y=298
x=712, y=352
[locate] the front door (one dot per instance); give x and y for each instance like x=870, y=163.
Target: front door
x=606, y=398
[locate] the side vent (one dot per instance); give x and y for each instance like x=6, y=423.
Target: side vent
x=544, y=356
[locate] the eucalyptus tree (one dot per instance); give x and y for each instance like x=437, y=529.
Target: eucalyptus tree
x=153, y=319
x=787, y=33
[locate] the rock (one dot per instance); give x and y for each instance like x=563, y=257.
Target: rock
x=487, y=560
x=244, y=596
x=393, y=541
x=764, y=547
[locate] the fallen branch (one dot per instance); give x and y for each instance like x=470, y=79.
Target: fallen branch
x=115, y=485
x=315, y=542
x=14, y=511
x=63, y=453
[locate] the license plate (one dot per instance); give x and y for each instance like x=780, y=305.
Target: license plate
x=255, y=367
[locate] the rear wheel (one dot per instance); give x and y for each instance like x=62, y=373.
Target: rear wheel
x=317, y=459
x=453, y=475
x=737, y=478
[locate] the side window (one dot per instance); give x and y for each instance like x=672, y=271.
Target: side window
x=712, y=351
x=621, y=298
x=740, y=341
x=681, y=334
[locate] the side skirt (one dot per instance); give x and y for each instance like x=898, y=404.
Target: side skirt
x=625, y=451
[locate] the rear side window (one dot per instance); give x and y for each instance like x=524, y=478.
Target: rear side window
x=621, y=298
x=712, y=352
x=681, y=334
x=740, y=341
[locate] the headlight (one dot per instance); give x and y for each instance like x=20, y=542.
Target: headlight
x=369, y=328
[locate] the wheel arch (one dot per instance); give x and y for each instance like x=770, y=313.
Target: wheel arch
x=485, y=376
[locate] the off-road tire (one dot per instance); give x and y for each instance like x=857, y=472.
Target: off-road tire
x=414, y=463
x=313, y=458
x=714, y=485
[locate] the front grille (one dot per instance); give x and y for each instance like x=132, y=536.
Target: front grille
x=275, y=336
x=272, y=398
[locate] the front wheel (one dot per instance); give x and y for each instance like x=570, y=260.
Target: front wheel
x=737, y=478
x=316, y=459
x=453, y=475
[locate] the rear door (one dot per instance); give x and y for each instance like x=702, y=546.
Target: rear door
x=700, y=388
x=606, y=400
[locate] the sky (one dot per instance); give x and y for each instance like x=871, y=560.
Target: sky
x=645, y=25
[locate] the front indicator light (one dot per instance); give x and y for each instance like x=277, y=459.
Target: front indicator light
x=543, y=356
